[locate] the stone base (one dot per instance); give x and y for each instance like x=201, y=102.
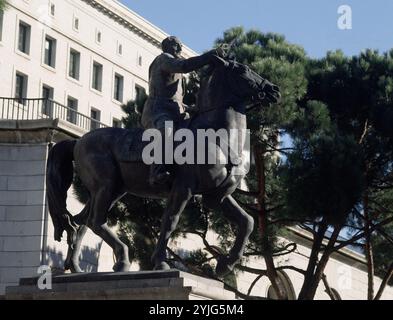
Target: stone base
x=152, y=285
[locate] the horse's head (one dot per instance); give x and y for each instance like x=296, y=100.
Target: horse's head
x=246, y=86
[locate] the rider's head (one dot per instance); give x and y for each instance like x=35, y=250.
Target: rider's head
x=172, y=45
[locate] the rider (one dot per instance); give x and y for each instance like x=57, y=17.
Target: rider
x=166, y=91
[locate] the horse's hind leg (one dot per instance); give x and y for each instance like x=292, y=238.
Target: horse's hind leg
x=101, y=201
x=176, y=204
x=233, y=212
x=72, y=260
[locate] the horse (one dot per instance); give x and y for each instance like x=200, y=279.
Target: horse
x=225, y=96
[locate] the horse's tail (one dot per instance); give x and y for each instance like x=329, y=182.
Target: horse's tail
x=59, y=178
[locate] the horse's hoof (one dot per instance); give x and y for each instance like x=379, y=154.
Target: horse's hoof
x=162, y=266
x=122, y=266
x=223, y=267
x=73, y=267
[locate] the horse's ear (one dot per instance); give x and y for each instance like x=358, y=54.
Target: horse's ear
x=232, y=43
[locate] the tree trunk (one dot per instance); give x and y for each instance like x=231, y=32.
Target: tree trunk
x=263, y=224
x=321, y=266
x=368, y=249
x=312, y=262
x=384, y=283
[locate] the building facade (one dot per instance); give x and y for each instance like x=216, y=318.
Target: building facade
x=66, y=67
x=91, y=56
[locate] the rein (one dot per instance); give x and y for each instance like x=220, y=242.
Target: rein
x=248, y=108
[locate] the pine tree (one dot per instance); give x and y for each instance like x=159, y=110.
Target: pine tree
x=336, y=173
x=3, y=5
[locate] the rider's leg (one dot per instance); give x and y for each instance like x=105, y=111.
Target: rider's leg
x=159, y=173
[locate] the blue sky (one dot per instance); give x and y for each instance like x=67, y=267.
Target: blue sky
x=310, y=23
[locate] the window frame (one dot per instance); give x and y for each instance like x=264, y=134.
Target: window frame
x=94, y=83
x=24, y=87
x=52, y=5
x=72, y=116
x=72, y=64
x=98, y=36
x=75, y=18
x=95, y=126
x=51, y=63
x=25, y=50
x=115, y=120
x=47, y=104
x=118, y=88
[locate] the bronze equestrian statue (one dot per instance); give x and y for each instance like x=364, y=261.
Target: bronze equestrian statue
x=166, y=93
x=99, y=158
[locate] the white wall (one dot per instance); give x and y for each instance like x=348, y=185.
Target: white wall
x=26, y=229
x=22, y=184
x=344, y=274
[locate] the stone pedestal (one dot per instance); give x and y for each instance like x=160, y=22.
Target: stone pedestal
x=26, y=228
x=152, y=285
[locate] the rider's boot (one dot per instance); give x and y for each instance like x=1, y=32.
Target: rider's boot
x=159, y=173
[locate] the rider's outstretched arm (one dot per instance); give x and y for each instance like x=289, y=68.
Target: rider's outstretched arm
x=173, y=65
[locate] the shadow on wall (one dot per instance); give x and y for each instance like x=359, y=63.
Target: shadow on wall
x=88, y=258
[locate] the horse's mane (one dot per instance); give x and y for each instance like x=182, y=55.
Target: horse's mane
x=210, y=77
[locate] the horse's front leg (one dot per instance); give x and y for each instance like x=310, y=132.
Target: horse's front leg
x=176, y=204
x=233, y=212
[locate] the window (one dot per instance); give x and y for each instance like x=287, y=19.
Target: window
x=75, y=24
x=52, y=9
x=72, y=104
x=95, y=115
x=47, y=104
x=74, y=66
x=21, y=87
x=118, y=89
x=97, y=76
x=24, y=37
x=140, y=93
x=98, y=36
x=116, y=123
x=50, y=52
x=1, y=24
x=287, y=287
x=140, y=61
x=120, y=49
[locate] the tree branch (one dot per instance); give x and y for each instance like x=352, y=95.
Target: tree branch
x=384, y=283
x=329, y=290
x=361, y=235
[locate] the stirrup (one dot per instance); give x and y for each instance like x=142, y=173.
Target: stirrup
x=160, y=178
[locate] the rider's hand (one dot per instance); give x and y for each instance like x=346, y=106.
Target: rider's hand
x=220, y=61
x=192, y=109
x=222, y=50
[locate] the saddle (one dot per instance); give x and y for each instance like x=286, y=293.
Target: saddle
x=132, y=146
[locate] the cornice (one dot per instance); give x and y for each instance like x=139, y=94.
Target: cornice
x=133, y=22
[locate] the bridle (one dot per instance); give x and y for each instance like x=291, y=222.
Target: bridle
x=255, y=102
